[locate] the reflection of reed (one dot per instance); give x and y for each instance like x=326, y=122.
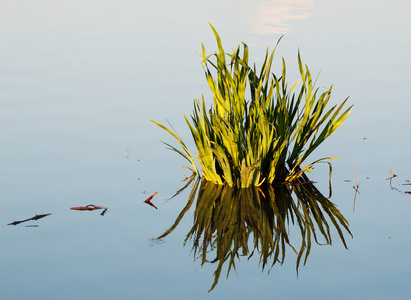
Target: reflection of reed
x=240, y=222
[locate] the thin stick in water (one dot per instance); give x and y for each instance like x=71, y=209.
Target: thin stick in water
x=356, y=186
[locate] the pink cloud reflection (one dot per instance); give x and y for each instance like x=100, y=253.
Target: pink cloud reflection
x=273, y=16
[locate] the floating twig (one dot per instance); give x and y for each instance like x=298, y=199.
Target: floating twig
x=148, y=200
x=356, y=186
x=394, y=188
x=35, y=218
x=88, y=207
x=390, y=178
x=91, y=207
x=390, y=172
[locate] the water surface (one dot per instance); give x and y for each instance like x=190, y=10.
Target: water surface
x=79, y=81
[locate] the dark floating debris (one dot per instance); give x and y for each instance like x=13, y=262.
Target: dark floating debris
x=407, y=192
x=148, y=201
x=35, y=218
x=89, y=207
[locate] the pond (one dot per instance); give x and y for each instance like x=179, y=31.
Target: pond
x=79, y=81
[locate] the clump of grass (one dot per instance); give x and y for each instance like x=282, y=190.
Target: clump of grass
x=264, y=138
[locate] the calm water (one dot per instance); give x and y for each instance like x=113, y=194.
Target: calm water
x=79, y=81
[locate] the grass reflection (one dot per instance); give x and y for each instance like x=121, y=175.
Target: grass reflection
x=232, y=222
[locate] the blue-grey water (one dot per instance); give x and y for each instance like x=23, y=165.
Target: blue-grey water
x=79, y=81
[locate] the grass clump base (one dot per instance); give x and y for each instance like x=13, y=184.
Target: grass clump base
x=265, y=137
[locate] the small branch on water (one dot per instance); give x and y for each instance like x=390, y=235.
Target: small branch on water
x=394, y=188
x=356, y=186
x=390, y=178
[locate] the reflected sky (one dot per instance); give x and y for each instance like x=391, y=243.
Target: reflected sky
x=79, y=81
x=273, y=17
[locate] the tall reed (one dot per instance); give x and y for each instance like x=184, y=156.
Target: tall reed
x=263, y=138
